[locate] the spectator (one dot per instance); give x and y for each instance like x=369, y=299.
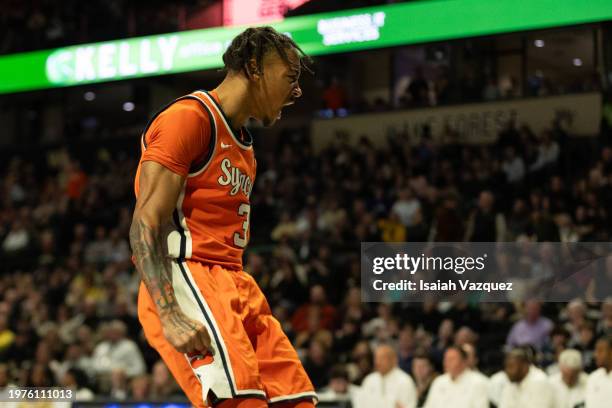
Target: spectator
x=569, y=384
x=525, y=388
x=484, y=224
x=406, y=347
x=533, y=329
x=472, y=360
x=7, y=337
x=339, y=387
x=424, y=374
x=318, y=305
x=419, y=89
x=448, y=224
x=388, y=386
x=459, y=386
x=334, y=96
x=76, y=380
x=163, y=385
x=139, y=387
x=548, y=154
x=513, y=166
x=599, y=383
x=316, y=363
x=116, y=352
x=604, y=326
x=406, y=206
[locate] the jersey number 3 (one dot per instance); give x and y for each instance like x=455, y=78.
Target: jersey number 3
x=241, y=240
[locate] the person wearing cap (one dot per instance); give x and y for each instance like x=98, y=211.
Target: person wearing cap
x=459, y=386
x=526, y=388
x=599, y=384
x=569, y=384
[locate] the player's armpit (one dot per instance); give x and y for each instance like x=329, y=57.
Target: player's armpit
x=159, y=189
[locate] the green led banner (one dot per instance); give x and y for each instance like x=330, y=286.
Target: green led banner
x=342, y=31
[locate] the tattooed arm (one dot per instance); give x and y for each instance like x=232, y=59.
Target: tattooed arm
x=159, y=192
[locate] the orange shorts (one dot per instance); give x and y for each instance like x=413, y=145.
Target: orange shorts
x=252, y=357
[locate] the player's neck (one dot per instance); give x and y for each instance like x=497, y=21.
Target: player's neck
x=233, y=98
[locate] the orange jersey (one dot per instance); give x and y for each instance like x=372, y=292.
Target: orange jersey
x=192, y=137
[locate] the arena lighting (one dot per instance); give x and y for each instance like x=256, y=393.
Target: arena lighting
x=89, y=96
x=128, y=106
x=539, y=43
x=577, y=62
x=318, y=34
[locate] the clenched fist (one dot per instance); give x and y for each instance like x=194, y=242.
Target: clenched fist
x=185, y=334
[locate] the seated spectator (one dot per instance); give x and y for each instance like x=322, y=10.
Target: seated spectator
x=418, y=90
x=406, y=346
x=485, y=224
x=424, y=374
x=116, y=352
x=334, y=96
x=548, y=154
x=513, y=166
x=361, y=362
x=318, y=301
x=339, y=387
x=140, y=388
x=532, y=329
x=316, y=363
x=406, y=206
x=388, y=386
x=163, y=385
x=599, y=383
x=604, y=326
x=500, y=380
x=526, y=389
x=472, y=360
x=77, y=380
x=459, y=386
x=569, y=385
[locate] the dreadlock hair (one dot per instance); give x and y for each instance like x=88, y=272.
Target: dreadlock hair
x=254, y=43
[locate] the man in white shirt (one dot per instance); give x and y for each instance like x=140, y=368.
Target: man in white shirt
x=500, y=380
x=599, y=384
x=459, y=386
x=118, y=353
x=569, y=384
x=526, y=388
x=388, y=386
x=406, y=206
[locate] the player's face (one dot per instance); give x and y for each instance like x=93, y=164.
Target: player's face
x=279, y=86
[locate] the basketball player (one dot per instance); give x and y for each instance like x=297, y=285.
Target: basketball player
x=205, y=316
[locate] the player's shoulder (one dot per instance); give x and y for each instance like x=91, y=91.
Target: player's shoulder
x=186, y=107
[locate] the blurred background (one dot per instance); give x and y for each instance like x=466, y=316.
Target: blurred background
x=495, y=131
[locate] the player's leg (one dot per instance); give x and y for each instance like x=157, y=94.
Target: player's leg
x=210, y=296
x=176, y=361
x=282, y=374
